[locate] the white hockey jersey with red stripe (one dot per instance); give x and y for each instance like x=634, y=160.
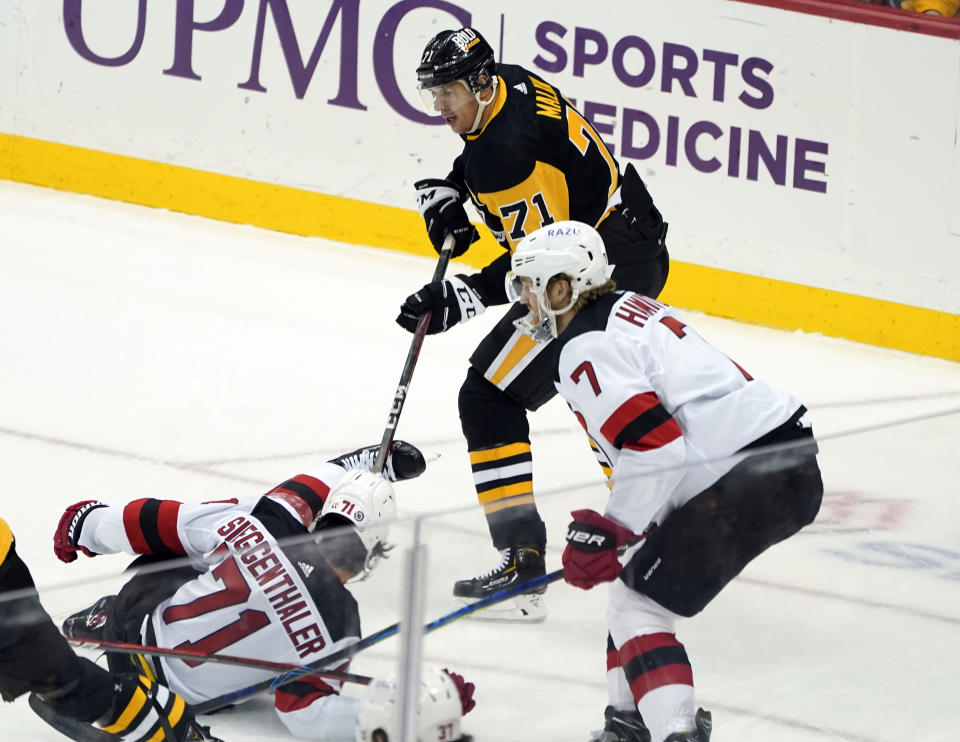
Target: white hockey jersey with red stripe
x=253, y=596
x=668, y=410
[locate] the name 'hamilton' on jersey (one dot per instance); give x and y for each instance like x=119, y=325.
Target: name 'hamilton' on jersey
x=670, y=412
x=537, y=161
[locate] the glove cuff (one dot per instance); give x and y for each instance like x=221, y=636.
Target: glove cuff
x=593, y=520
x=469, y=300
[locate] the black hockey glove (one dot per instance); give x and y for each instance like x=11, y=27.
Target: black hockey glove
x=405, y=461
x=441, y=206
x=637, y=207
x=451, y=301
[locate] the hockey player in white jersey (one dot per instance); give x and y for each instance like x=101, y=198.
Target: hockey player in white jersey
x=250, y=584
x=710, y=467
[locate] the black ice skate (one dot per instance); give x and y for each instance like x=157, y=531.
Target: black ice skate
x=91, y=622
x=704, y=724
x=517, y=564
x=621, y=726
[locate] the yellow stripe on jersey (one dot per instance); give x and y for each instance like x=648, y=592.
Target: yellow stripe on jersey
x=507, y=492
x=179, y=706
x=145, y=668
x=130, y=712
x=502, y=452
x=512, y=503
x=581, y=133
x=6, y=540
x=523, y=345
x=521, y=207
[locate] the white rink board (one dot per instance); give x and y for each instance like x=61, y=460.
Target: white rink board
x=870, y=197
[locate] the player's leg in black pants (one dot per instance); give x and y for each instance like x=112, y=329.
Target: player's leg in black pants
x=71, y=692
x=120, y=617
x=34, y=657
x=703, y=545
x=509, y=375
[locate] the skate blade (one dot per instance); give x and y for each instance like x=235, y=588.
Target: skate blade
x=519, y=609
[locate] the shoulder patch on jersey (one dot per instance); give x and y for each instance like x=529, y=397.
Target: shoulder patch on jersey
x=521, y=86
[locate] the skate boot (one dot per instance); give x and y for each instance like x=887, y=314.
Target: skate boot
x=704, y=724
x=517, y=565
x=91, y=622
x=621, y=726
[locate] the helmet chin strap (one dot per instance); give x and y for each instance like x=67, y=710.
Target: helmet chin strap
x=482, y=105
x=552, y=313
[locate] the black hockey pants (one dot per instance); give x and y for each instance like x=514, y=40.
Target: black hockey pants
x=703, y=545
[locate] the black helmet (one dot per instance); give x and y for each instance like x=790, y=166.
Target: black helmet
x=457, y=55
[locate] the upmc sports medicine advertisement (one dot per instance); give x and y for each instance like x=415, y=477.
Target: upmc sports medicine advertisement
x=777, y=144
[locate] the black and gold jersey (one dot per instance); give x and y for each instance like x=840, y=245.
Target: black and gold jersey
x=536, y=161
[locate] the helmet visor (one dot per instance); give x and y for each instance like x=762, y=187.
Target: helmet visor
x=514, y=287
x=539, y=322
x=448, y=99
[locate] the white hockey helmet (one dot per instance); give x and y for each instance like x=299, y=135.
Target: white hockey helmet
x=439, y=712
x=367, y=502
x=573, y=249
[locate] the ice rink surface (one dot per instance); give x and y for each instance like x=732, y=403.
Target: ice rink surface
x=150, y=354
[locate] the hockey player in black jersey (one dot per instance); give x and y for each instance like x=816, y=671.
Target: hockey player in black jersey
x=529, y=158
x=711, y=466
x=73, y=692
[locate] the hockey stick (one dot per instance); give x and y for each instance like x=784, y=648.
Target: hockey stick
x=400, y=396
x=67, y=726
x=225, y=659
x=288, y=677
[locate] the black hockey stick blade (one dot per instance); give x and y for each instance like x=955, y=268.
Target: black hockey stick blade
x=400, y=396
x=508, y=592
x=76, y=730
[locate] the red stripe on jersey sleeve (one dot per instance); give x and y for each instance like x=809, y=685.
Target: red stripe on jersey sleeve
x=304, y=691
x=659, y=436
x=167, y=526
x=131, y=524
x=627, y=413
x=305, y=494
x=304, y=514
